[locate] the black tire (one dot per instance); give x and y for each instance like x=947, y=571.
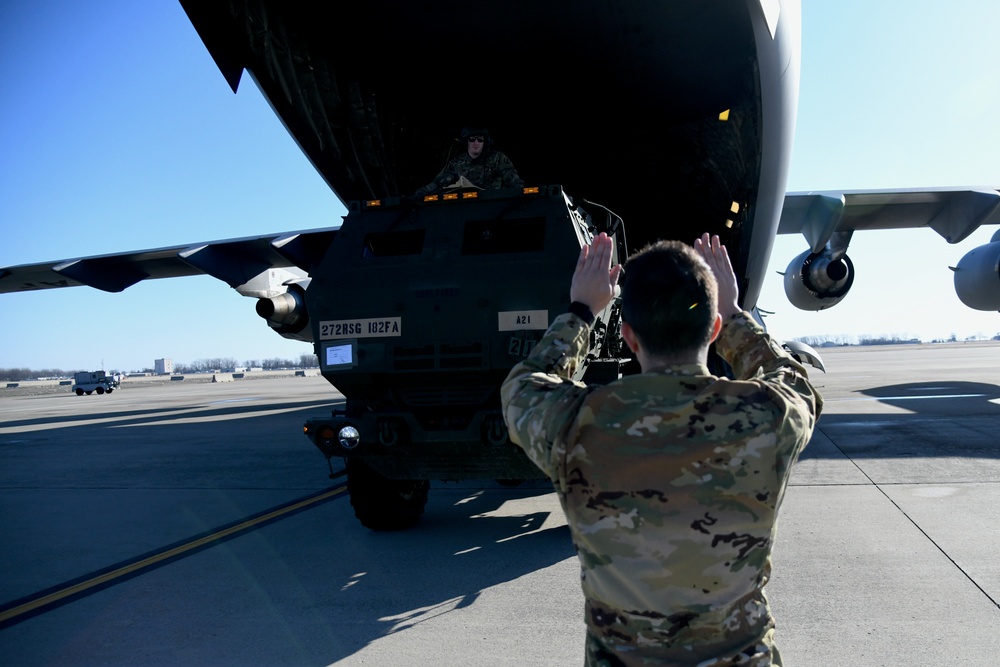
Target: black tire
x=100, y=390
x=385, y=504
x=79, y=392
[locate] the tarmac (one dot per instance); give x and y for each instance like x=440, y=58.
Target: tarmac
x=192, y=524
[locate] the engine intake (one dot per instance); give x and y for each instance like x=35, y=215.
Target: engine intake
x=977, y=276
x=816, y=281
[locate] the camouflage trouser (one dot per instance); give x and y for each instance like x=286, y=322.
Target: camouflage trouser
x=601, y=654
x=716, y=639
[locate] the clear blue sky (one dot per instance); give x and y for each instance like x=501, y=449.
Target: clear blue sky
x=117, y=133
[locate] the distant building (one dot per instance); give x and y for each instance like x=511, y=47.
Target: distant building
x=163, y=366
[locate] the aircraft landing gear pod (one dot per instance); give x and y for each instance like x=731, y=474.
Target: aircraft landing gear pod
x=423, y=309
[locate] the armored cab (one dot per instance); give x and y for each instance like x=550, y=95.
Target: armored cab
x=419, y=310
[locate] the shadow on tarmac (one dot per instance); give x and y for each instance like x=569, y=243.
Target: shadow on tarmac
x=316, y=588
x=311, y=588
x=328, y=598
x=941, y=419
x=143, y=416
x=380, y=584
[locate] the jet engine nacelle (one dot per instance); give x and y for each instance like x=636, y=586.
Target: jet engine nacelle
x=977, y=276
x=286, y=313
x=815, y=281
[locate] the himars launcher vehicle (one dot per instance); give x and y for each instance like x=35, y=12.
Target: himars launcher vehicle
x=441, y=298
x=676, y=116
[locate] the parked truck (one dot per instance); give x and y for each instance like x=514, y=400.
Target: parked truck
x=88, y=382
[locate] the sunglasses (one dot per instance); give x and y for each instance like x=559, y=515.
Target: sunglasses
x=477, y=140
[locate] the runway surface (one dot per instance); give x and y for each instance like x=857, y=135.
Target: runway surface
x=193, y=524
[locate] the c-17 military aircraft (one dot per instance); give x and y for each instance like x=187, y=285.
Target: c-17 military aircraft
x=417, y=309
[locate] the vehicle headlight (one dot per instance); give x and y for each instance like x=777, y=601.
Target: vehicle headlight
x=349, y=437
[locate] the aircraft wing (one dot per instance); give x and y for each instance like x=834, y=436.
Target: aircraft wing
x=821, y=276
x=954, y=213
x=259, y=267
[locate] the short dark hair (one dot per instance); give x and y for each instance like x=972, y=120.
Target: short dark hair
x=669, y=298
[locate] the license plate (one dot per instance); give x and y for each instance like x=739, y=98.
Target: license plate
x=373, y=327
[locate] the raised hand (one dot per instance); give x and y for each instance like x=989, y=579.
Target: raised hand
x=714, y=253
x=595, y=280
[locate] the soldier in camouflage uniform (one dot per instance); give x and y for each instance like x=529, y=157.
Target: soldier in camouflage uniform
x=479, y=166
x=671, y=479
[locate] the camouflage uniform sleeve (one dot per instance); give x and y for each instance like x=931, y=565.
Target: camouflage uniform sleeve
x=446, y=177
x=425, y=190
x=509, y=177
x=540, y=399
x=433, y=186
x=754, y=354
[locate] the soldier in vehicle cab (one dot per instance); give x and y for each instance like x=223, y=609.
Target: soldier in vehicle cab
x=480, y=166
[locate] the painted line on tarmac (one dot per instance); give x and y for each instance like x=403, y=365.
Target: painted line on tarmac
x=903, y=398
x=31, y=605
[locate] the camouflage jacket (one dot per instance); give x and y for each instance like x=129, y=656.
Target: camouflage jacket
x=671, y=482
x=492, y=170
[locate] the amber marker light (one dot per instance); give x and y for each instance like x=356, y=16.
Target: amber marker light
x=735, y=208
x=430, y=197
x=531, y=191
x=451, y=195
x=371, y=203
x=470, y=195
x=326, y=435
x=724, y=116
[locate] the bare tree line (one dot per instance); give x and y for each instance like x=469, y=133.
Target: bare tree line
x=884, y=339
x=229, y=364
x=221, y=364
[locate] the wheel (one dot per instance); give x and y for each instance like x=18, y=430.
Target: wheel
x=79, y=392
x=100, y=390
x=110, y=390
x=385, y=504
x=89, y=392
